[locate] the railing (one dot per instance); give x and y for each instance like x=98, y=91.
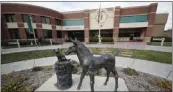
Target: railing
x=128, y=39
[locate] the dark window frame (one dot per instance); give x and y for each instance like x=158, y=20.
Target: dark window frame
x=31, y=36
x=10, y=17
x=45, y=20
x=58, y=22
x=24, y=17
x=48, y=34
x=14, y=33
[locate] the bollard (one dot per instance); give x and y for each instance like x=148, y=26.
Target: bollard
x=163, y=39
x=51, y=41
x=18, y=44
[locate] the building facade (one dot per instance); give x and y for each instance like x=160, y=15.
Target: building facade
x=122, y=24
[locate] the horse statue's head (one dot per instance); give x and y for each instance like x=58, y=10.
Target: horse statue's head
x=73, y=48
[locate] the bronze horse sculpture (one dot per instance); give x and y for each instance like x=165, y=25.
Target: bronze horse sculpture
x=92, y=63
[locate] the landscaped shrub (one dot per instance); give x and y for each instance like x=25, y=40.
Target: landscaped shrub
x=18, y=85
x=76, y=66
x=4, y=43
x=48, y=68
x=45, y=42
x=93, y=39
x=130, y=71
x=37, y=69
x=25, y=42
x=107, y=39
x=167, y=39
x=167, y=85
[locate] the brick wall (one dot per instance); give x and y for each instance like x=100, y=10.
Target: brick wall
x=152, y=15
x=86, y=27
x=116, y=23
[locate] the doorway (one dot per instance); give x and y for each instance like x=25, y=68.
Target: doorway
x=131, y=36
x=76, y=34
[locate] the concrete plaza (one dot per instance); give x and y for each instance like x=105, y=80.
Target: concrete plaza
x=98, y=86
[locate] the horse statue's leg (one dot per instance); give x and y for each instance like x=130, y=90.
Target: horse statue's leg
x=108, y=72
x=81, y=78
x=116, y=78
x=92, y=80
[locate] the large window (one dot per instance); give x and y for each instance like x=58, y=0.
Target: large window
x=58, y=22
x=73, y=22
x=26, y=17
x=59, y=34
x=131, y=19
x=31, y=35
x=45, y=20
x=47, y=34
x=10, y=17
x=14, y=33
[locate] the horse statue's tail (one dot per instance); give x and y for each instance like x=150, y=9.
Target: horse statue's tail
x=116, y=53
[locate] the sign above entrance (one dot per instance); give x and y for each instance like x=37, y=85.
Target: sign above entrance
x=73, y=27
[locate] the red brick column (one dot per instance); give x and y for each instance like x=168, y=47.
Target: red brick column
x=40, y=33
x=38, y=26
x=152, y=14
x=64, y=35
x=116, y=23
x=22, y=32
x=54, y=33
x=86, y=26
x=52, y=21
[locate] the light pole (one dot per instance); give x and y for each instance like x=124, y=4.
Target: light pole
x=101, y=16
x=99, y=23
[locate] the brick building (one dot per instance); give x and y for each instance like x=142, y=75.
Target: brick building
x=122, y=24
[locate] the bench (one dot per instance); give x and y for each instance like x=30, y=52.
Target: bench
x=16, y=43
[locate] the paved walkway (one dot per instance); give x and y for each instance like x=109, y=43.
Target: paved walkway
x=140, y=46
x=158, y=69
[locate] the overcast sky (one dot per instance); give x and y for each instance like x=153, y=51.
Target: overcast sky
x=163, y=7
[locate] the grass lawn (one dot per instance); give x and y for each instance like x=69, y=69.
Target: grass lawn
x=159, y=43
x=19, y=56
x=162, y=57
x=157, y=56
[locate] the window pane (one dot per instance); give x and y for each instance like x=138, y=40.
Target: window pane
x=35, y=30
x=58, y=22
x=33, y=18
x=59, y=34
x=42, y=19
x=14, y=33
x=47, y=20
x=29, y=35
x=25, y=17
x=10, y=17
x=47, y=34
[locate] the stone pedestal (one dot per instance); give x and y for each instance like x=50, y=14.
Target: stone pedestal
x=64, y=75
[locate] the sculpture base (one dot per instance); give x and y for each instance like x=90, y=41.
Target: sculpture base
x=50, y=85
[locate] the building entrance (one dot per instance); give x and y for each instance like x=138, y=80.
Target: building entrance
x=130, y=34
x=76, y=34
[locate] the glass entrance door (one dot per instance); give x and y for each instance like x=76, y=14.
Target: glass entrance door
x=131, y=36
x=76, y=34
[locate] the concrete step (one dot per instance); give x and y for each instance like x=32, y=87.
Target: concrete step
x=126, y=52
x=127, y=55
